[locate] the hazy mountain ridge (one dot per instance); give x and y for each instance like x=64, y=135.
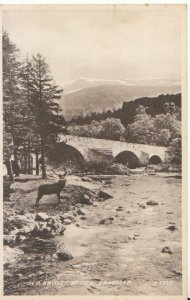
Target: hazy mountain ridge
x=86, y=82
x=109, y=96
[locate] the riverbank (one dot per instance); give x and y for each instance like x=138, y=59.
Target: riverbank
x=93, y=237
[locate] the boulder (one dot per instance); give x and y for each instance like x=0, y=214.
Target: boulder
x=67, y=216
x=104, y=195
x=48, y=229
x=67, y=221
x=85, y=199
x=37, y=245
x=10, y=240
x=10, y=255
x=142, y=206
x=64, y=256
x=107, y=221
x=167, y=250
x=152, y=202
x=131, y=237
x=80, y=212
x=42, y=217
x=171, y=228
x=19, y=224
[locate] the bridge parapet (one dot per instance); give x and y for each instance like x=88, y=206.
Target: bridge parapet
x=142, y=151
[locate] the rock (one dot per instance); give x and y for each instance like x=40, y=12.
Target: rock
x=10, y=240
x=77, y=225
x=37, y=245
x=171, y=227
x=125, y=241
x=86, y=197
x=178, y=273
x=84, y=244
x=107, y=221
x=67, y=221
x=142, y=206
x=83, y=218
x=166, y=250
x=21, y=238
x=152, y=202
x=48, y=229
x=10, y=255
x=170, y=213
x=19, y=224
x=104, y=195
x=138, y=222
x=128, y=212
x=119, y=209
x=86, y=179
x=131, y=237
x=64, y=256
x=67, y=216
x=80, y=212
x=85, y=200
x=110, y=219
x=42, y=217
x=21, y=212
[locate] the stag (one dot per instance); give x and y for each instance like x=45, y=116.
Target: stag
x=53, y=188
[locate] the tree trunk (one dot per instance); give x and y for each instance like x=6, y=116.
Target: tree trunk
x=17, y=169
x=25, y=159
x=29, y=157
x=43, y=157
x=8, y=164
x=37, y=163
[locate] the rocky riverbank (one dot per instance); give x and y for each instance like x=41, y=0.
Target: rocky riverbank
x=30, y=233
x=103, y=229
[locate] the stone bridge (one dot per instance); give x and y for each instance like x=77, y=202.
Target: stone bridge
x=121, y=152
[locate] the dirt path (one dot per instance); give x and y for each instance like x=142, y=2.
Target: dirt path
x=127, y=249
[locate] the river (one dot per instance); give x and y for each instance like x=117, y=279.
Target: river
x=118, y=247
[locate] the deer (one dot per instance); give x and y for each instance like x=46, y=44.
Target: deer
x=52, y=188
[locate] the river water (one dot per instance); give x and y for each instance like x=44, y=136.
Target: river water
x=118, y=248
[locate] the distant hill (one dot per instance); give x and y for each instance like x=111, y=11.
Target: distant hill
x=108, y=97
x=154, y=106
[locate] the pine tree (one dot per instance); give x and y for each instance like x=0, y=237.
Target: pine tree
x=29, y=128
x=12, y=101
x=45, y=106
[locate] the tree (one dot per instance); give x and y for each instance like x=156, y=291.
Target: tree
x=8, y=150
x=142, y=130
x=12, y=100
x=29, y=127
x=44, y=106
x=112, y=129
x=159, y=130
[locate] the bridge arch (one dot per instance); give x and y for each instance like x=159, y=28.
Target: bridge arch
x=155, y=160
x=68, y=155
x=128, y=158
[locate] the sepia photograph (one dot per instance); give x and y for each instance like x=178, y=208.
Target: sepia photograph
x=94, y=150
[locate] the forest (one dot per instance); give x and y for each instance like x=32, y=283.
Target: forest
x=162, y=129
x=32, y=116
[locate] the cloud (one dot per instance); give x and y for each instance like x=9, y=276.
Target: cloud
x=103, y=43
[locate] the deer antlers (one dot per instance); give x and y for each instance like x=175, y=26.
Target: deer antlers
x=60, y=175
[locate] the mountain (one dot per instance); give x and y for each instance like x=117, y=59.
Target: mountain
x=108, y=96
x=154, y=106
x=86, y=82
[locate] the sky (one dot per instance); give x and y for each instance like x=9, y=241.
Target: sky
x=107, y=42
